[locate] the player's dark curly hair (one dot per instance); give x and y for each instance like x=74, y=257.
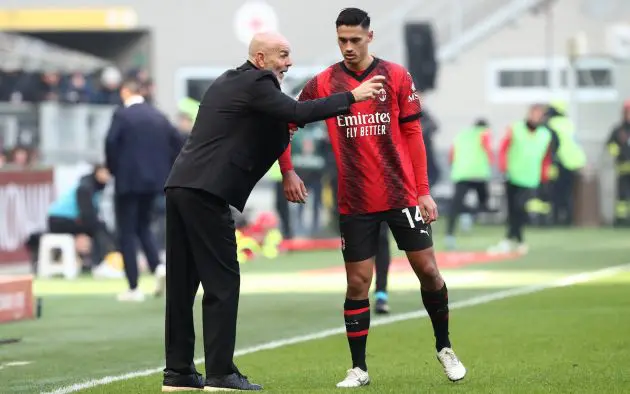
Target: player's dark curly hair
x=353, y=17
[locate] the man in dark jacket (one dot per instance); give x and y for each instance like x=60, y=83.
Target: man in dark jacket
x=240, y=131
x=140, y=148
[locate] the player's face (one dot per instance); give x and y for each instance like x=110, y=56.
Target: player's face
x=353, y=42
x=277, y=59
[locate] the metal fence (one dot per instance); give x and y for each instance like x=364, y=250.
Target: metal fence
x=62, y=134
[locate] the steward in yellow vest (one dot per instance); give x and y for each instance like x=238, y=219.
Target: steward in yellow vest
x=523, y=149
x=619, y=148
x=568, y=160
x=471, y=168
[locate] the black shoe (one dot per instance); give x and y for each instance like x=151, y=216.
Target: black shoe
x=234, y=381
x=381, y=307
x=174, y=381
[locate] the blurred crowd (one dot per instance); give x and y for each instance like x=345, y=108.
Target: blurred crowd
x=19, y=86
x=101, y=87
x=19, y=157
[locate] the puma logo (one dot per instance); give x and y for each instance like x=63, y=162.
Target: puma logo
x=425, y=232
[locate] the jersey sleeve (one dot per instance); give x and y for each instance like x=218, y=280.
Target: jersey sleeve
x=408, y=99
x=310, y=90
x=285, y=160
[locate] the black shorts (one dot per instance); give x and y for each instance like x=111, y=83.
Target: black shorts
x=359, y=233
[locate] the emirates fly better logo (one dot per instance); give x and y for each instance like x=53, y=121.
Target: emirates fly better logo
x=364, y=125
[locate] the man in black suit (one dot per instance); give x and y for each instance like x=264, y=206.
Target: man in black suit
x=140, y=148
x=240, y=131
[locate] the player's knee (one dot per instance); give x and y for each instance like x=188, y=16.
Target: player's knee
x=425, y=266
x=358, y=284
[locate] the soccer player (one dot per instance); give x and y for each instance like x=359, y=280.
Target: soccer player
x=382, y=177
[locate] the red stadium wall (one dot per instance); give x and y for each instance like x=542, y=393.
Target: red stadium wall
x=24, y=200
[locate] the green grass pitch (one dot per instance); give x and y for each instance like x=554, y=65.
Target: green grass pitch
x=569, y=339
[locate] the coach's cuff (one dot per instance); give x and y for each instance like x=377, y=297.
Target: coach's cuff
x=350, y=96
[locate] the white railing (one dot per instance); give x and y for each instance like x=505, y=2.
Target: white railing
x=480, y=22
x=457, y=24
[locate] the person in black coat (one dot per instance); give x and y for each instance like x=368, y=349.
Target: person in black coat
x=240, y=131
x=140, y=148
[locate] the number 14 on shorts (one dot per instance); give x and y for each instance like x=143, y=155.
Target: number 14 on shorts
x=417, y=217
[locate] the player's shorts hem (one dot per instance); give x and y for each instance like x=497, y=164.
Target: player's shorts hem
x=359, y=260
x=415, y=248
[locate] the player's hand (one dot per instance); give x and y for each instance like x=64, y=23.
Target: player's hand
x=368, y=89
x=428, y=209
x=294, y=189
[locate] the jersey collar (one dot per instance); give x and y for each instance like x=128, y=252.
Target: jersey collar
x=364, y=74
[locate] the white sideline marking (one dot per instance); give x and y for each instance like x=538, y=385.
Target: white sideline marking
x=14, y=364
x=483, y=299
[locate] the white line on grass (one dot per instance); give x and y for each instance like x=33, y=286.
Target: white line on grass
x=484, y=299
x=14, y=364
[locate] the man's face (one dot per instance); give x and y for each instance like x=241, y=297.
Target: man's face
x=536, y=115
x=20, y=157
x=276, y=58
x=353, y=42
x=124, y=94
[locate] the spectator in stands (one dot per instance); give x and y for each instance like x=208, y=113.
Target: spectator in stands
x=76, y=89
x=19, y=157
x=141, y=75
x=76, y=212
x=10, y=80
x=108, y=91
x=49, y=88
x=148, y=91
x=3, y=158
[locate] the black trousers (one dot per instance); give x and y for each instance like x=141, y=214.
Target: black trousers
x=517, y=197
x=134, y=215
x=622, y=202
x=102, y=240
x=457, y=204
x=562, y=197
x=200, y=247
x=383, y=258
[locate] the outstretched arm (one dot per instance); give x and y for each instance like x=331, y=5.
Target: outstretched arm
x=268, y=99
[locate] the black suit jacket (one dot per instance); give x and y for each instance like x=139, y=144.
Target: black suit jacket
x=140, y=148
x=240, y=131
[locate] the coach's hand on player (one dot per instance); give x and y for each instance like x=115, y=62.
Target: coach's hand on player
x=428, y=209
x=368, y=89
x=294, y=189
